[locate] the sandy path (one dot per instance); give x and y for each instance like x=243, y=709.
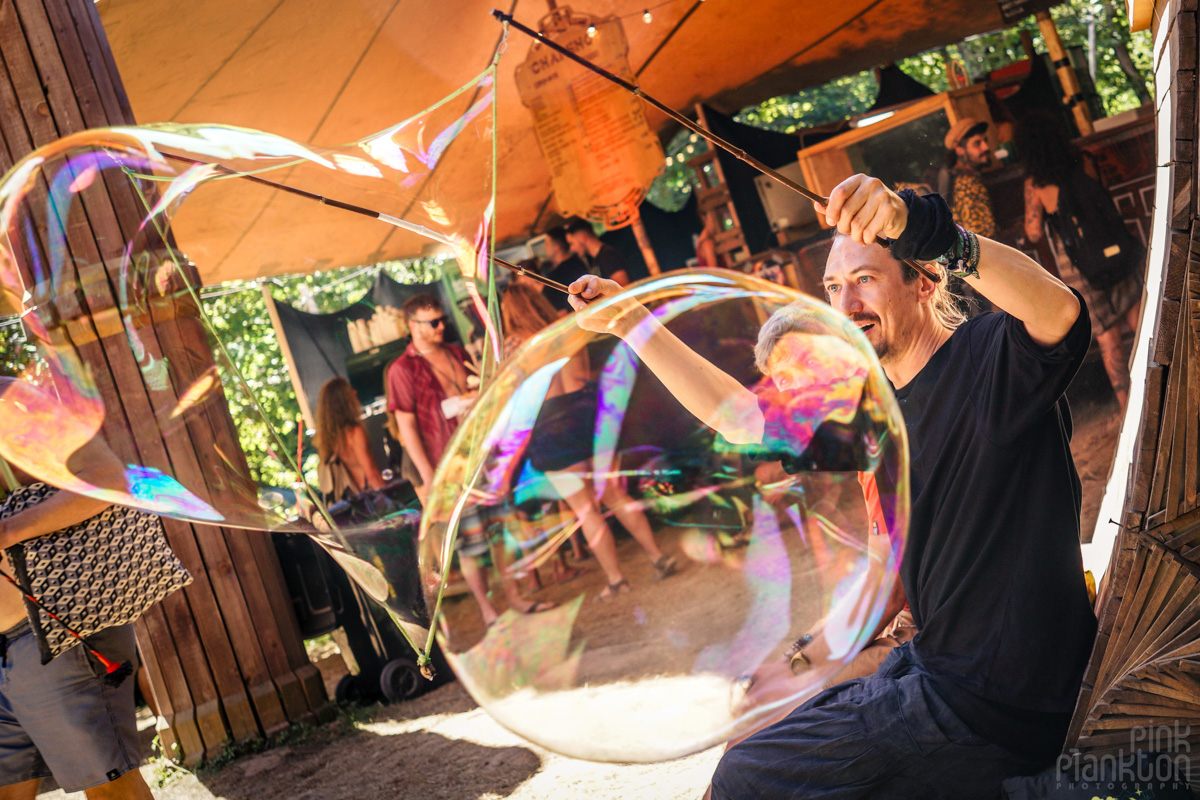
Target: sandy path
x=438, y=747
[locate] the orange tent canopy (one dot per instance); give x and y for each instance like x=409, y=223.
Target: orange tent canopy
x=331, y=71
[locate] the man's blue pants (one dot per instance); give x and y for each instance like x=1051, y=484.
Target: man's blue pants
x=881, y=737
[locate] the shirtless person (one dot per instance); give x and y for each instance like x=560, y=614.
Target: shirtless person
x=63, y=719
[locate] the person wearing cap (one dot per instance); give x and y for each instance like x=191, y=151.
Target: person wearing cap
x=967, y=154
x=602, y=259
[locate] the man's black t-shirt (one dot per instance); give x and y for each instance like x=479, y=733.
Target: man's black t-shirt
x=608, y=262
x=992, y=566
x=565, y=272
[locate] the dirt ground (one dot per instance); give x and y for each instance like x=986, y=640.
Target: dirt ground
x=442, y=746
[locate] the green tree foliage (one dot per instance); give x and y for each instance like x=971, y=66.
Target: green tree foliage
x=15, y=353
x=671, y=189
x=852, y=95
x=839, y=99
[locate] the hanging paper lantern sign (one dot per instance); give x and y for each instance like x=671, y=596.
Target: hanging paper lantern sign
x=602, y=154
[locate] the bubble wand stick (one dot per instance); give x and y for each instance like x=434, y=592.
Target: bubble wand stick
x=712, y=138
x=366, y=212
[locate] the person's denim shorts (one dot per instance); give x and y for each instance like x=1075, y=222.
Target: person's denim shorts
x=62, y=719
x=881, y=737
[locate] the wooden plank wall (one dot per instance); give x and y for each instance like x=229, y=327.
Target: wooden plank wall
x=1144, y=674
x=224, y=657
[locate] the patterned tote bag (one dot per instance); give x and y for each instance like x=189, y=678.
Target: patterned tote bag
x=103, y=572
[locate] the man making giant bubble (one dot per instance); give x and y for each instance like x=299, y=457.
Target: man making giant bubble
x=991, y=569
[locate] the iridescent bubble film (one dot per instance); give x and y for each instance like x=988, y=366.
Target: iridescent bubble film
x=109, y=237
x=725, y=512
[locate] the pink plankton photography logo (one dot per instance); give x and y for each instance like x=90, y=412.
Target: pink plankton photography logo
x=1157, y=758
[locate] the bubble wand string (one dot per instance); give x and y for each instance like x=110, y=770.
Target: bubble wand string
x=114, y=673
x=712, y=138
x=420, y=230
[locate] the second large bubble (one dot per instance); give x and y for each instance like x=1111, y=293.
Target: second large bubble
x=718, y=467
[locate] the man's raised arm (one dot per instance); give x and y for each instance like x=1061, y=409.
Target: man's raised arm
x=713, y=396
x=1017, y=284
x=863, y=208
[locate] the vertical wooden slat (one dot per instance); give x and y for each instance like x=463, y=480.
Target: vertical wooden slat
x=1166, y=431
x=1191, y=446
x=1180, y=368
x=242, y=587
x=178, y=725
x=1147, y=442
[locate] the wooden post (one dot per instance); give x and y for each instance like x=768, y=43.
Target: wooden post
x=224, y=657
x=643, y=240
x=1142, y=673
x=1066, y=73
x=1027, y=43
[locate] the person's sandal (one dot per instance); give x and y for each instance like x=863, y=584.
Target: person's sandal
x=665, y=567
x=613, y=589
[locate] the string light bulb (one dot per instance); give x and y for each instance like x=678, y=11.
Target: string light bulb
x=646, y=18
x=591, y=31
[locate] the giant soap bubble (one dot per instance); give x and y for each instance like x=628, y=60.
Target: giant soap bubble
x=728, y=514
x=108, y=238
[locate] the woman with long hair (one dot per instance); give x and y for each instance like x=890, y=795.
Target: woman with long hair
x=346, y=465
x=563, y=428
x=524, y=311
x=1095, y=253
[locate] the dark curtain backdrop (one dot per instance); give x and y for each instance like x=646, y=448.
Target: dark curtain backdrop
x=670, y=234
x=319, y=342
x=771, y=148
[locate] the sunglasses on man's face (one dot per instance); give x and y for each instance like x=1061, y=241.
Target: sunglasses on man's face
x=432, y=323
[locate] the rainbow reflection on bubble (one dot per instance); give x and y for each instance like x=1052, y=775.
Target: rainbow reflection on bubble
x=109, y=236
x=179, y=206
x=782, y=499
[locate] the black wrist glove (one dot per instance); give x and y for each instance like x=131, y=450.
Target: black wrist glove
x=930, y=231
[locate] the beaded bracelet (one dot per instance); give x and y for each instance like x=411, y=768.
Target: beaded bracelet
x=962, y=260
